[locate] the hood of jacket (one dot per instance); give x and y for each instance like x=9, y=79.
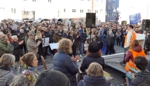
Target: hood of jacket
x=138, y=48
x=95, y=81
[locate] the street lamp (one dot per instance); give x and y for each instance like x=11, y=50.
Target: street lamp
x=117, y=16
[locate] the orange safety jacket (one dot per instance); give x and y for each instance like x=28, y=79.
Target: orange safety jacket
x=132, y=38
x=131, y=64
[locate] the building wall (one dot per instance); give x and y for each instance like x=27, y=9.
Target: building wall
x=127, y=7
x=53, y=9
x=110, y=6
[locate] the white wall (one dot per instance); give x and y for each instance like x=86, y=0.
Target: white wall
x=130, y=7
x=43, y=9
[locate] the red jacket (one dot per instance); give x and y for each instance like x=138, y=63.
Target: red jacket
x=129, y=54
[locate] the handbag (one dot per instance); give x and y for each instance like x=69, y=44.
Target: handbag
x=80, y=75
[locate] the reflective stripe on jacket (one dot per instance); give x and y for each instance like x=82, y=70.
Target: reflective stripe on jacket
x=131, y=64
x=132, y=38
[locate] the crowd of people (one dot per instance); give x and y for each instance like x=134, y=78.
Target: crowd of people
x=22, y=48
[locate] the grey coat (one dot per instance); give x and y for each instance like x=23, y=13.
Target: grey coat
x=6, y=77
x=32, y=46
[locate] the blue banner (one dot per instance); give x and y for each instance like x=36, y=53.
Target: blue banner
x=135, y=19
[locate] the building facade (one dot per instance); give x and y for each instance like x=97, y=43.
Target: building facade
x=40, y=9
x=110, y=6
x=127, y=8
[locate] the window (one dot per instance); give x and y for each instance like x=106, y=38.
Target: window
x=101, y=10
x=89, y=0
x=13, y=10
x=108, y=14
x=25, y=12
x=81, y=11
x=34, y=0
x=109, y=0
x=49, y=1
x=113, y=14
x=114, y=6
x=96, y=0
x=73, y=10
x=109, y=6
x=96, y=11
x=2, y=8
x=81, y=0
x=89, y=10
x=64, y=10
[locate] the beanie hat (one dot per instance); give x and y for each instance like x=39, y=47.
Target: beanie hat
x=93, y=47
x=52, y=78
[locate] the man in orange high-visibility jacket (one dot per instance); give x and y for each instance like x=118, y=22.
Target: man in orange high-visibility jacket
x=131, y=36
x=130, y=63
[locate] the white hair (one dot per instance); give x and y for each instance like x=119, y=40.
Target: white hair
x=7, y=60
x=65, y=30
x=14, y=37
x=21, y=30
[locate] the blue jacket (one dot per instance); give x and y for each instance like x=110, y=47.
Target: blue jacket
x=91, y=81
x=63, y=63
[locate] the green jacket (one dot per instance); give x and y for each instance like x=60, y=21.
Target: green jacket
x=5, y=48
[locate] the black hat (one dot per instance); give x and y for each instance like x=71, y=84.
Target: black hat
x=93, y=47
x=52, y=78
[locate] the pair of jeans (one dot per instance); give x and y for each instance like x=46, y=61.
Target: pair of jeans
x=81, y=48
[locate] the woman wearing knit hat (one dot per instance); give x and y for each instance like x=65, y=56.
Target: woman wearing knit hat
x=52, y=78
x=64, y=63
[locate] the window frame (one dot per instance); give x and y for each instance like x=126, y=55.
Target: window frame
x=73, y=10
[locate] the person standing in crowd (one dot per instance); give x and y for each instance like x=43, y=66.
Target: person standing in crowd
x=76, y=41
x=51, y=32
x=109, y=43
x=17, y=49
x=82, y=41
x=21, y=37
x=56, y=36
x=6, y=73
x=5, y=46
x=65, y=34
x=40, y=52
x=64, y=63
x=94, y=77
x=131, y=36
x=141, y=78
x=31, y=43
x=118, y=37
x=94, y=55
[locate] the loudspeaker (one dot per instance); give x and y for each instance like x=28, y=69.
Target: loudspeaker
x=90, y=20
x=146, y=24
